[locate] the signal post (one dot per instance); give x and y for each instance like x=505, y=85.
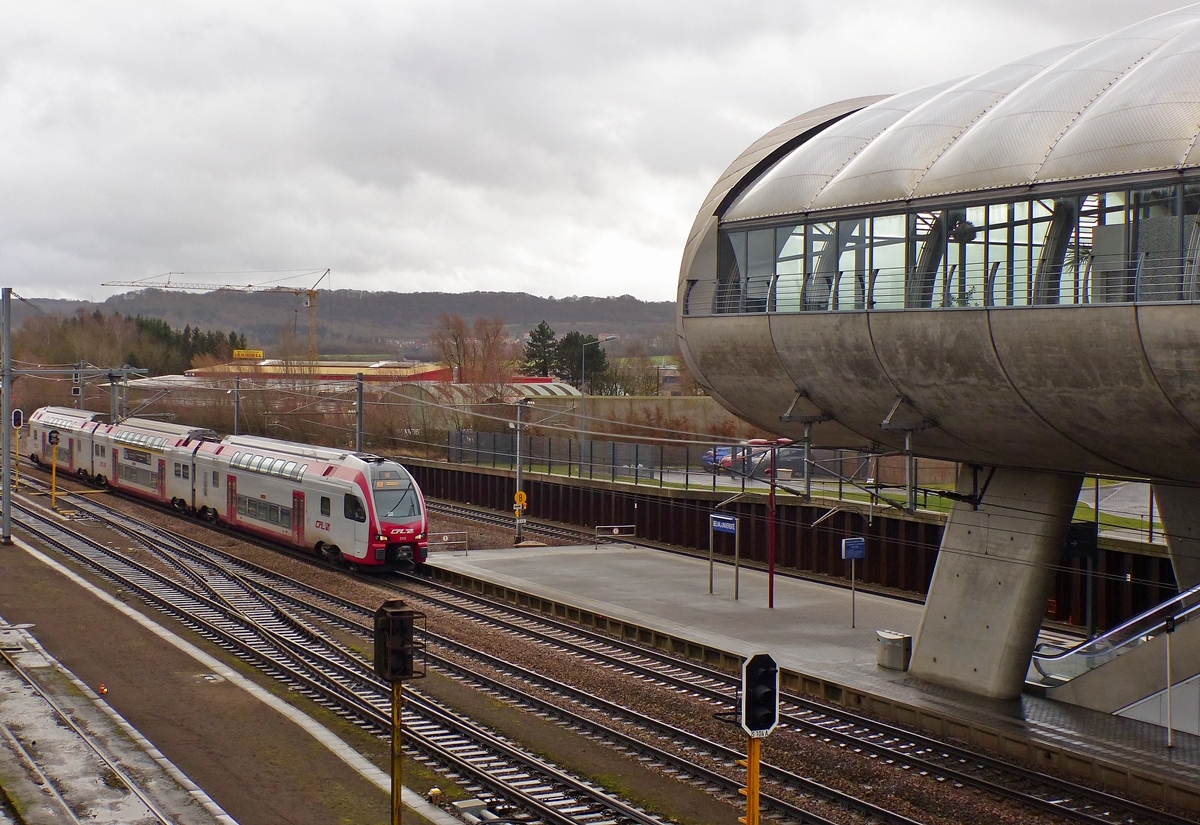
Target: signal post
x=759, y=716
x=396, y=660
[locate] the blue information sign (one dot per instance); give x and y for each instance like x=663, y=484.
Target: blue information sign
x=854, y=548
x=723, y=524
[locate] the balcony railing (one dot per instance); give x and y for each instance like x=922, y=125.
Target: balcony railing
x=1092, y=280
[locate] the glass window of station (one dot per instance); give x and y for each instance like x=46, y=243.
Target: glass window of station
x=1117, y=246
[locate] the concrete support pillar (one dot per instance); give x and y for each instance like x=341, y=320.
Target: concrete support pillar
x=993, y=577
x=1179, y=509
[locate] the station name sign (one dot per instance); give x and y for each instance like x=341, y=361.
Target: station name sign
x=248, y=353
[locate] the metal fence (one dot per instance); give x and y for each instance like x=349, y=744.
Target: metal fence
x=690, y=465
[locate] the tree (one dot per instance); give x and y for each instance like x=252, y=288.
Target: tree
x=479, y=353
x=635, y=374
x=574, y=347
x=541, y=353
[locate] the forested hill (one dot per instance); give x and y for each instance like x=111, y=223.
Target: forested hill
x=356, y=321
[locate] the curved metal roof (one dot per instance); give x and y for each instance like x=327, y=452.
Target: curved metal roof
x=1121, y=104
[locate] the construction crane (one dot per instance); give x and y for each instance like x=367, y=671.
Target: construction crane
x=309, y=295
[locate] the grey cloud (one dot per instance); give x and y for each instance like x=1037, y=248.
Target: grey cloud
x=560, y=148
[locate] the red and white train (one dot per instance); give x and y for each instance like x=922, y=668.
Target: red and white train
x=353, y=508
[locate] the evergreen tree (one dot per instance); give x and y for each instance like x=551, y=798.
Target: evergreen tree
x=541, y=353
x=572, y=349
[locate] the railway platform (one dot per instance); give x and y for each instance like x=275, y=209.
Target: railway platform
x=67, y=756
x=259, y=758
x=663, y=599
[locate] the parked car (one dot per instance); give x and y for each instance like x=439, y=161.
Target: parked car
x=711, y=460
x=753, y=459
x=749, y=458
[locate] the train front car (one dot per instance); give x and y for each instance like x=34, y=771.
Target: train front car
x=403, y=536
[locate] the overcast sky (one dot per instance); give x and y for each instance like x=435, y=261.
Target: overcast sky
x=560, y=148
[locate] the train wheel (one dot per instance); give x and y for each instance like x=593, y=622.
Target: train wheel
x=210, y=515
x=335, y=555
x=102, y=481
x=322, y=551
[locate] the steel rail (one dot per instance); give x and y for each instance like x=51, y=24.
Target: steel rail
x=836, y=724
x=563, y=791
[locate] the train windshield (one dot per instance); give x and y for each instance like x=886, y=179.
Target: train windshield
x=395, y=493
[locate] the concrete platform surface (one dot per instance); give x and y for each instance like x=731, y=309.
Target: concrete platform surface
x=808, y=631
x=65, y=753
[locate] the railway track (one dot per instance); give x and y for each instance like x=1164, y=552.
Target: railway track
x=63, y=800
x=253, y=589
x=495, y=519
x=875, y=740
x=228, y=610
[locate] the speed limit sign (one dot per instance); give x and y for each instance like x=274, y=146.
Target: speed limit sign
x=520, y=498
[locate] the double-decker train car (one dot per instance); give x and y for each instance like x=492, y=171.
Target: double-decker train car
x=353, y=508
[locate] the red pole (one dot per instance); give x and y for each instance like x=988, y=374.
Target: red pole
x=771, y=535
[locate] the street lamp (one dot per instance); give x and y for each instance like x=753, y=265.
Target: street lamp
x=583, y=393
x=519, y=496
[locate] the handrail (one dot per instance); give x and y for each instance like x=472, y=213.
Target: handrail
x=1064, y=665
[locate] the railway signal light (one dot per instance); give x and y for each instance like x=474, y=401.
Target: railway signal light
x=760, y=695
x=18, y=419
x=396, y=647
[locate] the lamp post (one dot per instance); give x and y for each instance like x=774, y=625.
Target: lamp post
x=519, y=497
x=583, y=393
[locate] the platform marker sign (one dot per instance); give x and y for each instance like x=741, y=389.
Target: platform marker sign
x=853, y=548
x=723, y=524
x=718, y=523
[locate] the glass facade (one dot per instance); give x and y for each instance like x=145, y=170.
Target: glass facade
x=1102, y=247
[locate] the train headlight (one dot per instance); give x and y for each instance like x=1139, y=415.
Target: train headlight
x=381, y=538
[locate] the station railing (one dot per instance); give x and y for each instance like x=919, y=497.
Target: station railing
x=686, y=465
x=1082, y=279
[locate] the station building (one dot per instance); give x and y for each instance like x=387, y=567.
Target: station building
x=1000, y=270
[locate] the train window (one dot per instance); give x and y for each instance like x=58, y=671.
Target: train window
x=273, y=514
x=277, y=467
x=288, y=469
x=187, y=471
x=285, y=516
x=242, y=505
x=300, y=472
x=177, y=473
x=255, y=463
x=216, y=479
x=325, y=506
x=354, y=509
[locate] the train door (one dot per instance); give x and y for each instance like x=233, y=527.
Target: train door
x=231, y=499
x=162, y=479
x=70, y=455
x=298, y=517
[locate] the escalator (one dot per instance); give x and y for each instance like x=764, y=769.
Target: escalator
x=1123, y=670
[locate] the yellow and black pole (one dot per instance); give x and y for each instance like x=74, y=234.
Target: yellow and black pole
x=397, y=756
x=751, y=762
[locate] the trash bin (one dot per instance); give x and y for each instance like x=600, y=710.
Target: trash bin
x=895, y=649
